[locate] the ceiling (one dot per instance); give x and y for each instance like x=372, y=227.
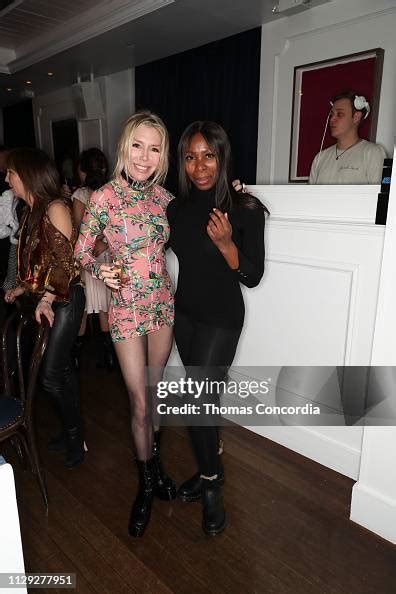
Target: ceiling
x=79, y=37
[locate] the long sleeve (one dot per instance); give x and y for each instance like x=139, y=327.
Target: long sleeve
x=10, y=281
x=251, y=250
x=93, y=224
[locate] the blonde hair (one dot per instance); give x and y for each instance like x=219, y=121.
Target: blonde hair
x=142, y=118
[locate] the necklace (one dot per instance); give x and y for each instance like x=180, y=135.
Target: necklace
x=134, y=184
x=338, y=155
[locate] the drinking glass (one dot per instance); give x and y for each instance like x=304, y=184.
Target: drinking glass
x=123, y=276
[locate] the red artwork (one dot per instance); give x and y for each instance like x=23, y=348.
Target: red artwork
x=314, y=86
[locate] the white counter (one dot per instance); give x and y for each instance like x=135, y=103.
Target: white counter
x=11, y=554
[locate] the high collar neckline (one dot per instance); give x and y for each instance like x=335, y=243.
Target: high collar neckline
x=134, y=184
x=204, y=196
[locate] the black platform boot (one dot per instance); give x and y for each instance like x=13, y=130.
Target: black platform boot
x=106, y=358
x=141, y=509
x=214, y=517
x=191, y=489
x=165, y=487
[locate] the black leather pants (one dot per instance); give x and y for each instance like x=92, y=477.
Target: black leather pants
x=58, y=374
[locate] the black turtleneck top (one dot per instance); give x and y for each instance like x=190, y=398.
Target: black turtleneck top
x=208, y=290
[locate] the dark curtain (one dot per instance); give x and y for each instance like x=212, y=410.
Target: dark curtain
x=18, y=125
x=218, y=81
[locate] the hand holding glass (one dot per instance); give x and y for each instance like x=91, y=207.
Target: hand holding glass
x=123, y=278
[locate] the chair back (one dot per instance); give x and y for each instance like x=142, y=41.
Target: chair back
x=23, y=344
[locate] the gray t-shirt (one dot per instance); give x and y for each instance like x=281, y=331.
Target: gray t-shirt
x=360, y=164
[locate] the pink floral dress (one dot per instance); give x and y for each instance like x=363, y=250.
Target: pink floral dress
x=135, y=226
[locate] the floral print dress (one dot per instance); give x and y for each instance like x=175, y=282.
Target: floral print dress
x=135, y=226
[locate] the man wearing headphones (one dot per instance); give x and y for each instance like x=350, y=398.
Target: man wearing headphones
x=352, y=160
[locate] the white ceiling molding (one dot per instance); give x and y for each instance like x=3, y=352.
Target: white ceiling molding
x=87, y=25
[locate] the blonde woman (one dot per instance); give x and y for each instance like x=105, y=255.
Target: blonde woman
x=130, y=212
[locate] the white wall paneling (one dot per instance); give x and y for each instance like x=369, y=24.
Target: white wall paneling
x=374, y=495
x=317, y=302
x=338, y=28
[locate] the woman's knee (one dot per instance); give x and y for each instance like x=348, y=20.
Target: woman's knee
x=54, y=379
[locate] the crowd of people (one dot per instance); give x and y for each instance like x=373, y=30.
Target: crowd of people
x=103, y=249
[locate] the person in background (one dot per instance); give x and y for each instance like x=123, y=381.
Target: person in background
x=4, y=241
x=130, y=212
x=93, y=172
x=217, y=235
x=47, y=271
x=351, y=160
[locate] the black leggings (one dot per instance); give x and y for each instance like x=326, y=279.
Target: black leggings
x=58, y=374
x=206, y=352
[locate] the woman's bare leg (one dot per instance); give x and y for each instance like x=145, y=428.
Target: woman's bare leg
x=159, y=348
x=132, y=356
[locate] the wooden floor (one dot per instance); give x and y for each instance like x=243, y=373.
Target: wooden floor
x=288, y=530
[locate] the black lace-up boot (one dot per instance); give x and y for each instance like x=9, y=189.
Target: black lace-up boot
x=141, y=509
x=165, y=487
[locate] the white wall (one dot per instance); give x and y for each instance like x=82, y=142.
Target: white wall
x=316, y=305
x=374, y=495
x=118, y=95
x=119, y=92
x=335, y=29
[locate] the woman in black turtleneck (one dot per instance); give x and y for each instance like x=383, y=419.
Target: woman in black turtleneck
x=217, y=235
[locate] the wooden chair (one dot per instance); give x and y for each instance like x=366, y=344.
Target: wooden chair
x=23, y=344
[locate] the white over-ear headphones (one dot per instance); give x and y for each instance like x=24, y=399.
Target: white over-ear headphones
x=360, y=102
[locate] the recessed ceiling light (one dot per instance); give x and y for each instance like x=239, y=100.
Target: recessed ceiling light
x=8, y=89
x=50, y=73
x=28, y=82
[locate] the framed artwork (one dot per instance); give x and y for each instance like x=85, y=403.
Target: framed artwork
x=314, y=85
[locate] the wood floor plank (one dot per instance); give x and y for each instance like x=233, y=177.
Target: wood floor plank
x=288, y=518
x=89, y=545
